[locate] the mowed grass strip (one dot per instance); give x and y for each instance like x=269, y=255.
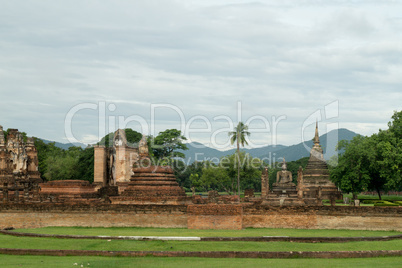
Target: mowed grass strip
x=91, y=261
x=7, y=241
x=132, y=231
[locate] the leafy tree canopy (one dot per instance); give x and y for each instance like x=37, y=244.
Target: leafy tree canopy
x=166, y=144
x=371, y=163
x=222, y=176
x=132, y=136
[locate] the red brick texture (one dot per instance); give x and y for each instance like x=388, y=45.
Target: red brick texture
x=199, y=216
x=215, y=216
x=208, y=254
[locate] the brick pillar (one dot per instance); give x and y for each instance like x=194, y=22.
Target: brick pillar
x=300, y=183
x=264, y=183
x=120, y=164
x=100, y=165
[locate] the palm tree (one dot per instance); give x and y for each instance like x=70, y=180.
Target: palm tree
x=238, y=135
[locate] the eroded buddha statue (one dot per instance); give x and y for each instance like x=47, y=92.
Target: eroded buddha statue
x=284, y=177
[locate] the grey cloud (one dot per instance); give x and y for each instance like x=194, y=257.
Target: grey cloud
x=279, y=58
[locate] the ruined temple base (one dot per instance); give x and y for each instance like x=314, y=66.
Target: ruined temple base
x=122, y=186
x=321, y=189
x=152, y=185
x=128, y=200
x=283, y=201
x=68, y=190
x=283, y=195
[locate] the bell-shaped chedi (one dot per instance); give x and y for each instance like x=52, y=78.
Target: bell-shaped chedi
x=151, y=184
x=314, y=182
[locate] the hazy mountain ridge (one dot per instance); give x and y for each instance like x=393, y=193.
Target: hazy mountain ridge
x=328, y=141
x=64, y=146
x=200, y=152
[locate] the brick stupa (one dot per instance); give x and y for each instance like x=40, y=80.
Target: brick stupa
x=315, y=184
x=151, y=184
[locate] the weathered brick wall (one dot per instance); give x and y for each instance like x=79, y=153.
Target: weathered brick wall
x=323, y=217
x=42, y=215
x=215, y=216
x=207, y=254
x=204, y=216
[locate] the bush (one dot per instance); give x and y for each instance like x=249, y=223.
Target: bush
x=385, y=204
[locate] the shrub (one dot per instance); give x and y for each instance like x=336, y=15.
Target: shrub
x=385, y=204
x=398, y=202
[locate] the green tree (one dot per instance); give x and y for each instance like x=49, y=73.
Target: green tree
x=239, y=135
x=166, y=144
x=216, y=177
x=353, y=173
x=46, y=151
x=85, y=165
x=63, y=165
x=184, y=172
x=222, y=176
x=371, y=163
x=250, y=169
x=132, y=136
x=196, y=182
x=387, y=167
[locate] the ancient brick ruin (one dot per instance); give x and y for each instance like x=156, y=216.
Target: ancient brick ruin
x=314, y=182
x=129, y=190
x=132, y=171
x=284, y=191
x=113, y=165
x=19, y=175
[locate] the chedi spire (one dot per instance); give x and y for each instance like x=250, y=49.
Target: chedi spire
x=317, y=152
x=316, y=136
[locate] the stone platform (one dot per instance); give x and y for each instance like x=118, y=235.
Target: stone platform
x=67, y=190
x=283, y=195
x=152, y=185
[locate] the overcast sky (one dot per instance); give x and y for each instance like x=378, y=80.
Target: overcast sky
x=191, y=61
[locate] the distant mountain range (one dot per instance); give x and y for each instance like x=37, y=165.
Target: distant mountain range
x=271, y=153
x=328, y=141
x=65, y=146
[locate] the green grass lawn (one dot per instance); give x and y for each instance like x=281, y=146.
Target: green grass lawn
x=134, y=231
x=70, y=261
x=132, y=245
x=122, y=245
